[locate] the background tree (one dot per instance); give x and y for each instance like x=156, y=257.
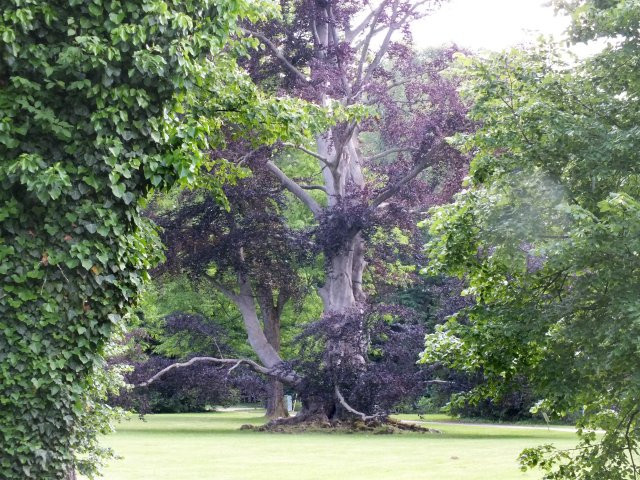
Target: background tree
x=100, y=102
x=248, y=248
x=546, y=238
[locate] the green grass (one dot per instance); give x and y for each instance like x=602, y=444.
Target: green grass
x=210, y=446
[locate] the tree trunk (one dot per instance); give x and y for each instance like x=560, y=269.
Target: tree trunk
x=276, y=407
x=71, y=474
x=255, y=334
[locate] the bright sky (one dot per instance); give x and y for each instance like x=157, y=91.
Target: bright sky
x=489, y=24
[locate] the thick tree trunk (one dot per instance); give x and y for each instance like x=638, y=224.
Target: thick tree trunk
x=71, y=474
x=276, y=407
x=267, y=354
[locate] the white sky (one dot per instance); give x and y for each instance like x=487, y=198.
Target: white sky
x=488, y=24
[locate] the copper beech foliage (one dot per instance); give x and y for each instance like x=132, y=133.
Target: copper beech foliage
x=357, y=180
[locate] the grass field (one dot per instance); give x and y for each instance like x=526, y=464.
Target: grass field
x=210, y=446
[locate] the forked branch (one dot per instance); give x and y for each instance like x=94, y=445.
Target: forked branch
x=296, y=189
x=234, y=362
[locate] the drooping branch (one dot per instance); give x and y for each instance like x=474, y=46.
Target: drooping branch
x=349, y=408
x=276, y=51
x=296, y=189
x=276, y=372
x=234, y=362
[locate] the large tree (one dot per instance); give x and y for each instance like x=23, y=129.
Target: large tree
x=345, y=53
x=100, y=102
x=246, y=247
x=547, y=238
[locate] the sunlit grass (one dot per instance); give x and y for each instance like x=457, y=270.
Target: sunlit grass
x=210, y=446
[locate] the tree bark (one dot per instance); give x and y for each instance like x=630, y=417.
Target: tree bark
x=276, y=407
x=71, y=474
x=245, y=301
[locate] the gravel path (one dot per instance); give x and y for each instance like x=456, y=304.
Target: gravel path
x=495, y=425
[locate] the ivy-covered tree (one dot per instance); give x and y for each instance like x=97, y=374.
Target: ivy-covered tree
x=100, y=102
x=547, y=238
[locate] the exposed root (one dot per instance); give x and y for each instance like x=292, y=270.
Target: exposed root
x=378, y=426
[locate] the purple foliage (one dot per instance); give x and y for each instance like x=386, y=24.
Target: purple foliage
x=388, y=337
x=368, y=350
x=252, y=237
x=187, y=389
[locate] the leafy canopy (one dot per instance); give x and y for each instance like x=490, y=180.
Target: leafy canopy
x=547, y=237
x=102, y=101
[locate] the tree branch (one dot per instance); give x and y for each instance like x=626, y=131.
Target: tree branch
x=247, y=156
x=367, y=41
x=314, y=29
x=314, y=187
x=277, y=53
x=324, y=160
x=349, y=408
x=296, y=189
x=350, y=35
x=223, y=361
x=390, y=151
x=393, y=189
x=393, y=26
x=224, y=290
x=281, y=374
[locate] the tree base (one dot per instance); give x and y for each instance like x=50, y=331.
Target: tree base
x=300, y=424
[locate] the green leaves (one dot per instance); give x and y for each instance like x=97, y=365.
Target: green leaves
x=547, y=238
x=101, y=102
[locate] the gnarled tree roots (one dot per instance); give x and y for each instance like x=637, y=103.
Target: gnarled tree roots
x=319, y=423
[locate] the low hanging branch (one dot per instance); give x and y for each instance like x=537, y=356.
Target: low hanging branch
x=349, y=408
x=234, y=362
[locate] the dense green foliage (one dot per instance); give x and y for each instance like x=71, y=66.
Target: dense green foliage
x=100, y=102
x=547, y=238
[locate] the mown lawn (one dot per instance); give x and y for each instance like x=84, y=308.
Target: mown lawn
x=210, y=446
